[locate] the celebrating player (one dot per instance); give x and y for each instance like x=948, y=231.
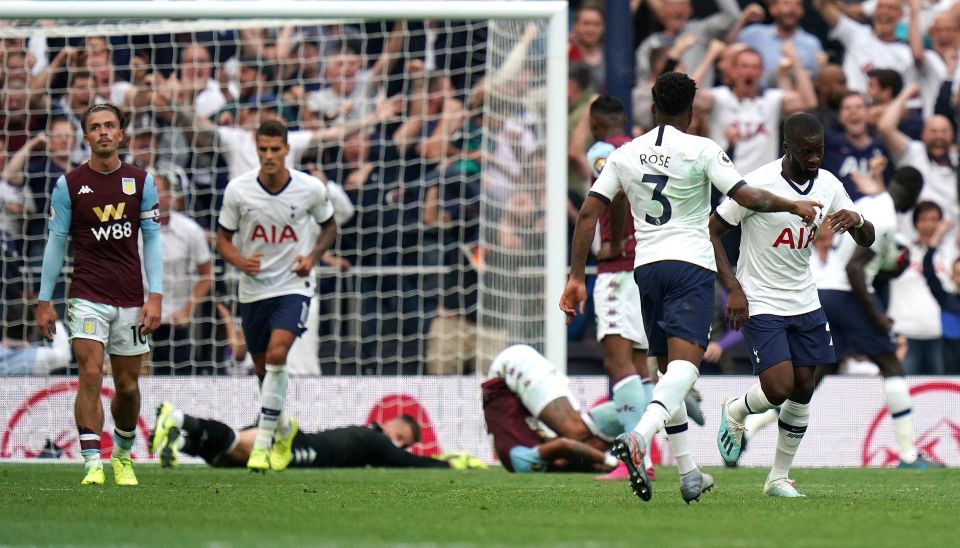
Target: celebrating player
x=275, y=212
x=102, y=206
x=524, y=385
x=773, y=296
x=345, y=447
x=666, y=176
x=858, y=325
x=615, y=296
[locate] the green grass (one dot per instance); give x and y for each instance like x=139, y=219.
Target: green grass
x=194, y=505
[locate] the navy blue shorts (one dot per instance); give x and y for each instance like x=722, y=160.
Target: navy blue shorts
x=853, y=332
x=678, y=301
x=803, y=339
x=260, y=318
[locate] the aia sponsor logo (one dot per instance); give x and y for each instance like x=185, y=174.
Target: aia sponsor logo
x=273, y=234
x=799, y=240
x=392, y=406
x=936, y=424
x=47, y=414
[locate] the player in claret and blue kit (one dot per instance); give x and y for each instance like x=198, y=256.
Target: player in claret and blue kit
x=103, y=206
x=773, y=297
x=666, y=175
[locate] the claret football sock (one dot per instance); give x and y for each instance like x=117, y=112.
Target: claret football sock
x=89, y=447
x=123, y=442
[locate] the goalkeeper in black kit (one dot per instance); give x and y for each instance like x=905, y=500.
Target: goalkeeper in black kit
x=346, y=447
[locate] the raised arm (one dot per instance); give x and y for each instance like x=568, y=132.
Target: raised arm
x=914, y=32
x=829, y=10
x=388, y=57
x=802, y=96
x=13, y=171
x=894, y=139
x=753, y=13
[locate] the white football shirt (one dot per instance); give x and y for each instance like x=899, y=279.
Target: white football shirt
x=280, y=225
x=864, y=51
x=666, y=175
x=880, y=211
x=756, y=121
x=775, y=248
x=240, y=147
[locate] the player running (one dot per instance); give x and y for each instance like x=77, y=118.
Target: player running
x=773, y=297
x=102, y=206
x=615, y=296
x=524, y=386
x=344, y=447
x=858, y=325
x=275, y=212
x=666, y=176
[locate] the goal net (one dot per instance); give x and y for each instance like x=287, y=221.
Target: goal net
x=432, y=134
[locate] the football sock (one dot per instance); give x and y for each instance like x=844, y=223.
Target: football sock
x=794, y=418
x=123, y=442
x=648, y=384
x=755, y=423
x=754, y=401
x=610, y=460
x=679, y=438
x=283, y=423
x=272, y=395
x=89, y=447
x=897, y=394
x=631, y=401
x=667, y=397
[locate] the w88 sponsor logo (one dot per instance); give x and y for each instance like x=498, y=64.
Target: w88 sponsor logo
x=115, y=231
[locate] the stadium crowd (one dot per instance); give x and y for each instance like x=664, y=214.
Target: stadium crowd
x=391, y=116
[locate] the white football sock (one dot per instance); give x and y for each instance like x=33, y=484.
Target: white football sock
x=754, y=401
x=755, y=423
x=794, y=418
x=667, y=397
x=273, y=393
x=679, y=438
x=283, y=423
x=123, y=442
x=899, y=403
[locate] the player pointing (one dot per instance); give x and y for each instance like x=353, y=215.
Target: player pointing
x=773, y=296
x=102, y=206
x=666, y=176
x=275, y=213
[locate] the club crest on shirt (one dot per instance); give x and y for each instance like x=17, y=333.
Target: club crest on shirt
x=129, y=185
x=598, y=164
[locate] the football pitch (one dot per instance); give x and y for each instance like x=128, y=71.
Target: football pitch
x=44, y=504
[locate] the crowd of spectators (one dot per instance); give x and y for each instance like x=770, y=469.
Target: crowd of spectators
x=391, y=116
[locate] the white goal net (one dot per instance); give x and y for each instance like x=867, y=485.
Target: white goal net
x=433, y=136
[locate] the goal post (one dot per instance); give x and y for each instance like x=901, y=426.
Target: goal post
x=553, y=16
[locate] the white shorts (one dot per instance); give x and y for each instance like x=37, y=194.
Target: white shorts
x=117, y=328
x=616, y=300
x=532, y=378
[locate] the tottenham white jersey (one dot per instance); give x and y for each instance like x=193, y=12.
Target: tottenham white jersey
x=775, y=248
x=756, y=121
x=666, y=175
x=880, y=211
x=279, y=225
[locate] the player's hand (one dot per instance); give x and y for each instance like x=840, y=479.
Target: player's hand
x=738, y=310
x=47, y=320
x=150, y=314
x=713, y=352
x=303, y=265
x=573, y=299
x=754, y=13
x=842, y=221
x=250, y=265
x=806, y=210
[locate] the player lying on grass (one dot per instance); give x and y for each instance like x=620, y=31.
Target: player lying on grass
x=524, y=386
x=345, y=447
x=773, y=297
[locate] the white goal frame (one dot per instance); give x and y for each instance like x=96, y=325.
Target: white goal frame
x=555, y=267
